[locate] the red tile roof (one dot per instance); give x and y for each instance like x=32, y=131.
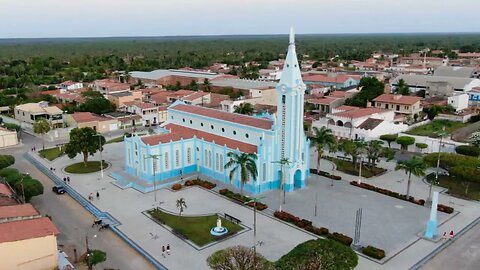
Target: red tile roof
x=324, y=100
x=324, y=78
x=359, y=112
x=370, y=123
x=347, y=108
x=50, y=92
x=82, y=117
x=27, y=229
x=195, y=96
x=145, y=106
x=178, y=132
x=5, y=190
x=225, y=116
x=397, y=99
x=20, y=210
x=338, y=94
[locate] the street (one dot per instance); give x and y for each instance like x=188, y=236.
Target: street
x=74, y=222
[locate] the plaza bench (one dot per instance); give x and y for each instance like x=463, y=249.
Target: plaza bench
x=343, y=158
x=232, y=218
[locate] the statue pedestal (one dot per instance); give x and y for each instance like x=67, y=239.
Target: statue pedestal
x=431, y=229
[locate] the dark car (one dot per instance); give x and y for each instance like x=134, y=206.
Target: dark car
x=58, y=189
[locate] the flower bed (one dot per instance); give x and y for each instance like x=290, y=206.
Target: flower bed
x=325, y=174
x=374, y=252
x=440, y=207
x=202, y=183
x=241, y=199
x=176, y=187
x=307, y=225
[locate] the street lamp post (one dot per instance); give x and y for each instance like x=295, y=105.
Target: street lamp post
x=254, y=200
x=88, y=250
x=154, y=161
x=442, y=134
x=282, y=162
x=360, y=172
x=101, y=150
x=23, y=190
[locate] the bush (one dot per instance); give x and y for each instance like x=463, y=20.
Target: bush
x=374, y=252
x=177, y=186
x=6, y=160
x=242, y=199
x=468, y=150
x=202, y=183
x=11, y=126
x=325, y=174
x=344, y=239
x=405, y=141
x=421, y=145
x=445, y=209
x=448, y=160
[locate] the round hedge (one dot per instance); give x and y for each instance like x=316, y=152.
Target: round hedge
x=468, y=150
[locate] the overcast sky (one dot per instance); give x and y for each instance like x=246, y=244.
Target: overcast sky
x=105, y=18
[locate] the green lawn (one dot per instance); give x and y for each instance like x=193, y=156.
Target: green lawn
x=469, y=190
x=92, y=166
x=196, y=229
x=348, y=168
x=52, y=153
x=115, y=140
x=431, y=129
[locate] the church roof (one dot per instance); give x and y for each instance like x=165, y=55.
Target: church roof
x=225, y=116
x=179, y=132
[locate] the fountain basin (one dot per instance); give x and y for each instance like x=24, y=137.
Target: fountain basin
x=218, y=231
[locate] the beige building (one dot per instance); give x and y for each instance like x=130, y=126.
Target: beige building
x=96, y=122
x=408, y=105
x=120, y=98
x=8, y=138
x=27, y=240
x=30, y=112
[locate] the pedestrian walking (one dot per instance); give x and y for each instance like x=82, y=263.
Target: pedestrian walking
x=51, y=169
x=168, y=249
x=451, y=235
x=163, y=251
x=98, y=195
x=65, y=180
x=68, y=179
x=90, y=197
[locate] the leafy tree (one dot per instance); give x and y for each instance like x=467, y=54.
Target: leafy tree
x=402, y=88
x=468, y=150
x=353, y=149
x=193, y=85
x=6, y=160
x=97, y=105
x=475, y=139
x=421, y=93
x=322, y=137
x=41, y=126
x=370, y=87
x=421, y=146
x=415, y=166
x=181, y=205
x=83, y=141
x=319, y=254
x=389, y=138
x=405, y=141
x=374, y=151
x=434, y=110
x=207, y=85
x=31, y=188
x=387, y=153
x=245, y=164
x=238, y=258
x=244, y=108
x=95, y=257
x=11, y=126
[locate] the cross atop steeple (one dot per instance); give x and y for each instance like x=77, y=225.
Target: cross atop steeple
x=292, y=35
x=291, y=76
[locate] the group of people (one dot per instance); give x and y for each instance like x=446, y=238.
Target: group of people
x=167, y=250
x=52, y=169
x=447, y=236
x=90, y=196
x=66, y=179
x=34, y=148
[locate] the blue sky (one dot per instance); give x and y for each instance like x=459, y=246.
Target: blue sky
x=100, y=18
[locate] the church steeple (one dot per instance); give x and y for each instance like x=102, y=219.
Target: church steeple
x=291, y=76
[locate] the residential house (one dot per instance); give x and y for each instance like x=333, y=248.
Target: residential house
x=325, y=104
x=474, y=96
x=458, y=102
x=243, y=85
x=7, y=196
x=270, y=74
x=405, y=105
x=8, y=138
x=125, y=120
x=265, y=97
x=337, y=81
x=70, y=85
x=148, y=112
x=109, y=86
x=119, y=98
x=30, y=112
x=98, y=123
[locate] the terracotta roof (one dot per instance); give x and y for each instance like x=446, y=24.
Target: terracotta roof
x=397, y=99
x=145, y=106
x=178, y=132
x=20, y=210
x=5, y=201
x=195, y=96
x=347, y=108
x=324, y=100
x=338, y=94
x=82, y=117
x=50, y=92
x=27, y=229
x=370, y=123
x=5, y=190
x=129, y=103
x=329, y=79
x=359, y=112
x=68, y=83
x=225, y=116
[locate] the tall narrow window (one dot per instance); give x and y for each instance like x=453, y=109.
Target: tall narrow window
x=210, y=159
x=129, y=157
x=189, y=155
x=221, y=163
x=206, y=158
x=264, y=169
x=144, y=163
x=217, y=164
x=177, y=158
x=166, y=160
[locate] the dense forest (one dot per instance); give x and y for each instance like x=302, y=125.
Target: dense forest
x=25, y=62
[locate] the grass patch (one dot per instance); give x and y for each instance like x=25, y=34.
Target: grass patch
x=115, y=140
x=348, y=168
x=468, y=190
x=92, y=166
x=431, y=129
x=196, y=229
x=52, y=153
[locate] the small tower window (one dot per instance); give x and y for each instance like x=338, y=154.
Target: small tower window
x=234, y=132
x=284, y=98
x=246, y=135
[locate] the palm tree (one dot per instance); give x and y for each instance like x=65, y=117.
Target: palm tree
x=41, y=126
x=321, y=137
x=181, y=204
x=353, y=149
x=207, y=85
x=374, y=150
x=415, y=166
x=244, y=108
x=245, y=163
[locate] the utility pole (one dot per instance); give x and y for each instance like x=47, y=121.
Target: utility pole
x=254, y=200
x=282, y=162
x=101, y=150
x=154, y=161
x=442, y=134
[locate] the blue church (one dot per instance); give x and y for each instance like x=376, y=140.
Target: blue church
x=198, y=139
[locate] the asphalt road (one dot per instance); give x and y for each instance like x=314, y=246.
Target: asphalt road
x=462, y=254
x=74, y=222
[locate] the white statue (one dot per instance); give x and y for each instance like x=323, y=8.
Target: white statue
x=219, y=223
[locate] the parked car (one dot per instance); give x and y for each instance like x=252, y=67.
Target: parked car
x=58, y=189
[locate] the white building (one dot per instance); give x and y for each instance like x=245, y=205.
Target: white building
x=459, y=102
x=270, y=74
x=148, y=112
x=69, y=85
x=8, y=138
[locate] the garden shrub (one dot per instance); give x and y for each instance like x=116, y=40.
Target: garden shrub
x=405, y=141
x=176, y=186
x=6, y=160
x=421, y=145
x=241, y=199
x=389, y=138
x=374, y=252
x=468, y=150
x=202, y=183
x=326, y=174
x=339, y=237
x=448, y=160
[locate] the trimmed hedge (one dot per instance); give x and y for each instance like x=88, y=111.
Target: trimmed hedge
x=177, y=187
x=468, y=150
x=374, y=252
x=421, y=145
x=6, y=160
x=325, y=174
x=202, y=183
x=241, y=199
x=342, y=238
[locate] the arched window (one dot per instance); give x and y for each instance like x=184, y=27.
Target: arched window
x=177, y=158
x=210, y=159
x=264, y=172
x=339, y=123
x=191, y=122
x=211, y=126
x=246, y=135
x=303, y=157
x=206, y=158
x=183, y=120
x=223, y=130
x=166, y=160
x=201, y=124
x=129, y=157
x=234, y=132
x=189, y=155
x=144, y=163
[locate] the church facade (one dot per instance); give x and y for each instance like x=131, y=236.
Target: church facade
x=198, y=139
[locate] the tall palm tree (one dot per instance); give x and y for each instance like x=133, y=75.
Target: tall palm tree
x=374, y=150
x=244, y=108
x=181, y=204
x=321, y=137
x=245, y=163
x=353, y=149
x=415, y=166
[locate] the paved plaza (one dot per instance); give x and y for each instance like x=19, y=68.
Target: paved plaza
x=387, y=222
